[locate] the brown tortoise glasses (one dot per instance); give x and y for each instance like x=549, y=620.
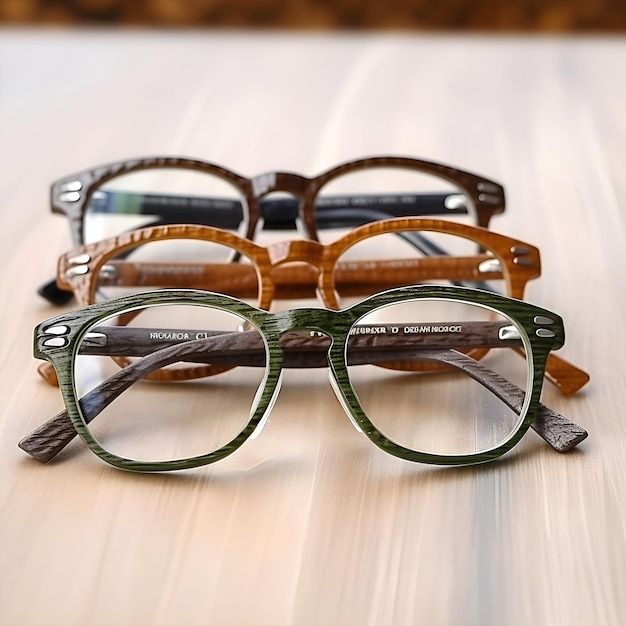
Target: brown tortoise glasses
x=370, y=258
x=104, y=201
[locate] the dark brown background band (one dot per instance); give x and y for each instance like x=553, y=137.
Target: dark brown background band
x=456, y=15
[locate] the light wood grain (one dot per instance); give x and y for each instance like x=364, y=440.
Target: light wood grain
x=310, y=524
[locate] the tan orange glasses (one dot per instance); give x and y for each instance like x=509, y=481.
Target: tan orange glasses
x=371, y=258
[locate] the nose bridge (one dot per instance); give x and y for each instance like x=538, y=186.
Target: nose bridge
x=287, y=182
x=309, y=318
x=300, y=187
x=298, y=251
x=328, y=322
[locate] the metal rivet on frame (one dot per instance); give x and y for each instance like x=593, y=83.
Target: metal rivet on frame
x=488, y=187
x=542, y=319
x=57, y=330
x=488, y=198
x=544, y=332
x=55, y=342
x=77, y=270
x=71, y=185
x=69, y=196
x=522, y=261
x=79, y=259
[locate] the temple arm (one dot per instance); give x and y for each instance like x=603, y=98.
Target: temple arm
x=388, y=339
x=279, y=213
x=247, y=348
x=295, y=280
x=300, y=280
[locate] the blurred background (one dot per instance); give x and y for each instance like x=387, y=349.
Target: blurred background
x=551, y=16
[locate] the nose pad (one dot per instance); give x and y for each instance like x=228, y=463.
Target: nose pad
x=346, y=408
x=266, y=416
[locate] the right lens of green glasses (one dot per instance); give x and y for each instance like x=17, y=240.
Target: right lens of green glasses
x=455, y=405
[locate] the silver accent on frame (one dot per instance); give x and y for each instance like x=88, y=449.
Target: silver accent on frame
x=57, y=330
x=488, y=187
x=544, y=332
x=69, y=196
x=95, y=339
x=79, y=259
x=542, y=319
x=455, y=201
x=508, y=332
x=77, y=270
x=109, y=272
x=521, y=250
x=490, y=265
x=71, y=185
x=488, y=198
x=55, y=342
x=522, y=261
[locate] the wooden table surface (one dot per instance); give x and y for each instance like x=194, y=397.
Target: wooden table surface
x=311, y=524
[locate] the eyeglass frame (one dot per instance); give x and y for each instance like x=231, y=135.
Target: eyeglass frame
x=71, y=194
x=518, y=263
x=542, y=333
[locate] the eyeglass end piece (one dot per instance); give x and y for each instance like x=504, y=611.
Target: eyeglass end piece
x=41, y=454
x=562, y=434
x=566, y=376
x=42, y=449
x=45, y=442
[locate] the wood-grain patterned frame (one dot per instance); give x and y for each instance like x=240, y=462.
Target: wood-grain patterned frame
x=486, y=197
x=519, y=262
x=272, y=326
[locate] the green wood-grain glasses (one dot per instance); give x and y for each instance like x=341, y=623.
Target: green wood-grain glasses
x=472, y=413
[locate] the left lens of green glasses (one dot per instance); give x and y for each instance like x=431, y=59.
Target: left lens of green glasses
x=157, y=416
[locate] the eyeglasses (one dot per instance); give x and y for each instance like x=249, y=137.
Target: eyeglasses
x=104, y=201
x=374, y=257
x=474, y=413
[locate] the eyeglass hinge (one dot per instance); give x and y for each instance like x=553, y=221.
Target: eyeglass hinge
x=508, y=332
x=95, y=339
x=490, y=265
x=108, y=272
